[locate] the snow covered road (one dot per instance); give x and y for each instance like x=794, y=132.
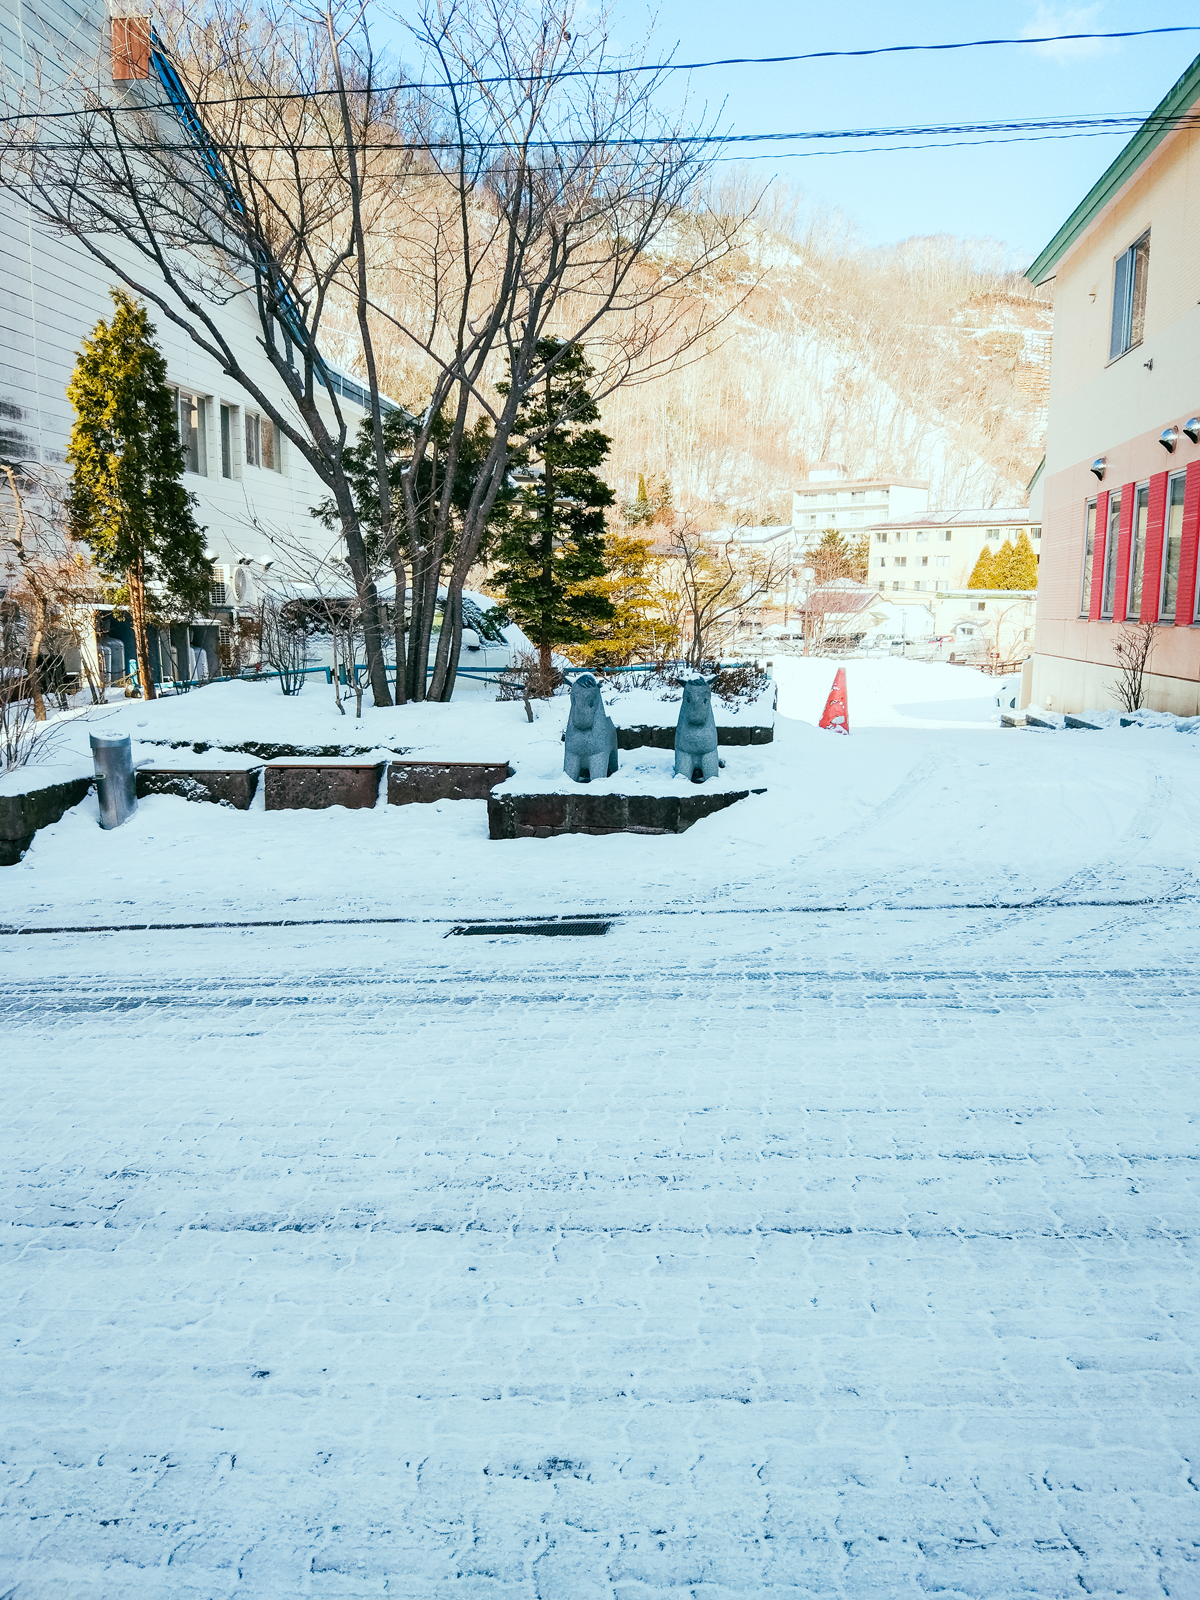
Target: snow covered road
x=727, y=1254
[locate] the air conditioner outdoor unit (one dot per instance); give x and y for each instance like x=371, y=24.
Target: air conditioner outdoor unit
x=244, y=588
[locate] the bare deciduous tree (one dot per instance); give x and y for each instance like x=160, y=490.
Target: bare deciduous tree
x=1133, y=650
x=523, y=185
x=707, y=580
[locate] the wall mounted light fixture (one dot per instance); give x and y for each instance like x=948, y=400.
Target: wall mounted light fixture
x=1098, y=467
x=1169, y=438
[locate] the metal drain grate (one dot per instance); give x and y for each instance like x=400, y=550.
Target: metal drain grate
x=580, y=928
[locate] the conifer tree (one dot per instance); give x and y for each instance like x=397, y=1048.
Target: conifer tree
x=637, y=630
x=1002, y=566
x=984, y=574
x=1023, y=566
x=126, y=500
x=553, y=543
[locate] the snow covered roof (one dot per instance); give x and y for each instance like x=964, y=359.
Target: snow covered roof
x=971, y=517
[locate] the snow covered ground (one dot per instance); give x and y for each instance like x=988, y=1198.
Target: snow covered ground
x=827, y=1227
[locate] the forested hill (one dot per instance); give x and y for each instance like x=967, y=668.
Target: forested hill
x=927, y=360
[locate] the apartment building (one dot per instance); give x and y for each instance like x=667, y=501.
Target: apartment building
x=1121, y=484
x=247, y=478
x=922, y=555
x=829, y=499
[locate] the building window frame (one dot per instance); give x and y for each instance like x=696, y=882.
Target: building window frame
x=191, y=424
x=1137, y=552
x=263, y=443
x=228, y=415
x=1131, y=272
x=1177, y=481
x=1089, y=556
x=1112, y=540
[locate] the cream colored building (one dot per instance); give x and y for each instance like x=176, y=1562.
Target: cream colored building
x=829, y=499
x=1121, y=484
x=925, y=555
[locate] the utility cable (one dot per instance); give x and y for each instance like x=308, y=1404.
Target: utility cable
x=662, y=67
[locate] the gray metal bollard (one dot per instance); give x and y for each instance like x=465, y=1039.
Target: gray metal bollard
x=116, y=787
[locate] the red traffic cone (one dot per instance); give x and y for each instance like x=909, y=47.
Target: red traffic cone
x=836, y=714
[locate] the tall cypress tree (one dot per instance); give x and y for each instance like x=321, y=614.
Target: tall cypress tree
x=126, y=500
x=983, y=575
x=554, y=540
x=1022, y=566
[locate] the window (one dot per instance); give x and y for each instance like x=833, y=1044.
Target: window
x=1137, y=551
x=945, y=535
x=883, y=561
x=924, y=561
x=1111, y=535
x=1089, y=550
x=922, y=538
x=882, y=537
x=900, y=561
x=981, y=605
x=901, y=536
x=261, y=443
x=1172, y=545
x=897, y=586
x=227, y=441
x=1129, y=297
x=993, y=533
x=857, y=495
x=192, y=433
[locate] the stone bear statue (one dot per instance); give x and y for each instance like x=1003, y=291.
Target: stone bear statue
x=696, y=734
x=591, y=737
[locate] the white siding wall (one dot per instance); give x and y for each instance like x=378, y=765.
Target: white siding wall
x=52, y=292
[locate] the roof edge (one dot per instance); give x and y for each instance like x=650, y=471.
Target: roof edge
x=1162, y=121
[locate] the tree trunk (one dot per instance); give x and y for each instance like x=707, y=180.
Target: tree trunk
x=137, y=610
x=35, y=649
x=368, y=595
x=398, y=569
x=545, y=669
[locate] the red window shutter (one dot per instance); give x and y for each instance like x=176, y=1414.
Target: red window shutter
x=130, y=48
x=1185, y=598
x=1098, y=540
x=1152, y=570
x=1124, y=536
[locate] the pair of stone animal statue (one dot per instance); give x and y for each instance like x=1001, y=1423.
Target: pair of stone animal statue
x=591, y=737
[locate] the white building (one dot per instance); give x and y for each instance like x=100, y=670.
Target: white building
x=247, y=478
x=829, y=499
x=922, y=555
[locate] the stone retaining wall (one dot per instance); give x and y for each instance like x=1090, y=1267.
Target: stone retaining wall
x=21, y=815
x=305, y=788
x=419, y=782
x=223, y=785
x=545, y=816
x=649, y=736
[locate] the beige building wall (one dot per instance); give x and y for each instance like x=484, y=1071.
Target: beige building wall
x=1117, y=410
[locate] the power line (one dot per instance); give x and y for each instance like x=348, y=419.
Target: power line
x=662, y=67
x=1019, y=131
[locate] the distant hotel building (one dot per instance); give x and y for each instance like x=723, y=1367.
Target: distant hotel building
x=829, y=499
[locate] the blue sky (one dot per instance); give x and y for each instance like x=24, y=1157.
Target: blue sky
x=1018, y=195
